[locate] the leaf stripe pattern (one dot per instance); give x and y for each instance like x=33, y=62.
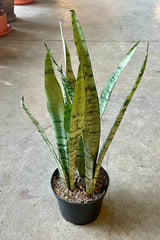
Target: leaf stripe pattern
x=68, y=91
x=76, y=124
x=105, y=95
x=119, y=117
x=55, y=105
x=92, y=104
x=46, y=140
x=80, y=159
x=69, y=72
x=89, y=163
x=67, y=114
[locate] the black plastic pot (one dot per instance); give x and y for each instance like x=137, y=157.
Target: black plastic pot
x=80, y=213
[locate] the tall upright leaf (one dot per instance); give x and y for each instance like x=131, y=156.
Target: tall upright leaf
x=46, y=140
x=106, y=92
x=67, y=115
x=68, y=91
x=89, y=162
x=68, y=66
x=80, y=159
x=119, y=117
x=76, y=125
x=92, y=116
x=55, y=105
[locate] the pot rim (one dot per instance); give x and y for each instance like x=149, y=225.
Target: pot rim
x=88, y=203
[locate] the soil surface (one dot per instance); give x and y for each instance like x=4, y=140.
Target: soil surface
x=79, y=195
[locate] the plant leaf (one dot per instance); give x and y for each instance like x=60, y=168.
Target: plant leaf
x=55, y=107
x=92, y=116
x=76, y=125
x=89, y=162
x=80, y=159
x=46, y=140
x=67, y=115
x=68, y=66
x=68, y=91
x=106, y=92
x=119, y=117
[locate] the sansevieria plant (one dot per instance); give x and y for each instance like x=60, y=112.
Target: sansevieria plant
x=76, y=111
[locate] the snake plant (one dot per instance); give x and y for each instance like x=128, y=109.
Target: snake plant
x=76, y=111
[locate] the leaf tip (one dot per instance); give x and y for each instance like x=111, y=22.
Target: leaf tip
x=22, y=101
x=73, y=14
x=137, y=43
x=45, y=44
x=147, y=46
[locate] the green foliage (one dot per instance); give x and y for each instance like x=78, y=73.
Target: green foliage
x=76, y=111
x=76, y=124
x=46, y=140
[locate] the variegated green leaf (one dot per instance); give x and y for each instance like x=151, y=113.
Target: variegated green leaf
x=45, y=138
x=92, y=104
x=76, y=125
x=106, y=92
x=68, y=66
x=89, y=161
x=68, y=91
x=119, y=118
x=67, y=115
x=80, y=160
x=55, y=105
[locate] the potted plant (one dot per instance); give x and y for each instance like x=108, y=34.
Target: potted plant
x=5, y=28
x=80, y=182
x=22, y=2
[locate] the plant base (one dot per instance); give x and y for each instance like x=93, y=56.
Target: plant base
x=80, y=213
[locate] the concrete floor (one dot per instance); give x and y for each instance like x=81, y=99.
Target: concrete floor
x=131, y=209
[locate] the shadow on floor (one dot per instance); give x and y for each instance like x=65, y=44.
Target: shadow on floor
x=126, y=212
